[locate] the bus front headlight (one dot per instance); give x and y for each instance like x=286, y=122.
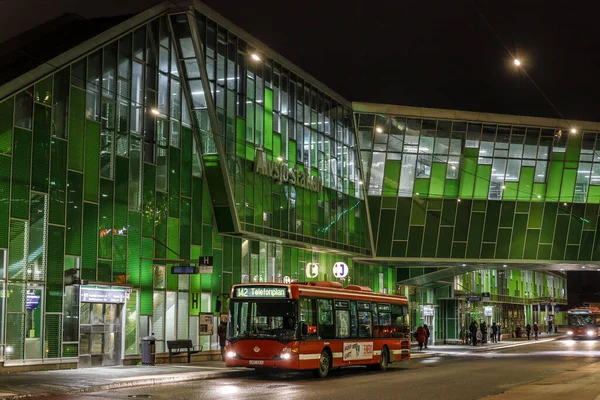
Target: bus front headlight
x=591, y=333
x=569, y=332
x=231, y=354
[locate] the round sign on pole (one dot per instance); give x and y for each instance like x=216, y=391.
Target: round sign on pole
x=312, y=270
x=287, y=279
x=340, y=270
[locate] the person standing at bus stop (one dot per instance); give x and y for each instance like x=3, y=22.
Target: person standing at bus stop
x=528, y=331
x=473, y=330
x=427, y=334
x=222, y=332
x=421, y=336
x=536, y=330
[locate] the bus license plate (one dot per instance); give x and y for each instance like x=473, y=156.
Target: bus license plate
x=257, y=362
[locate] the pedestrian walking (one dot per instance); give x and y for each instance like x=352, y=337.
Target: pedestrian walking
x=222, y=332
x=536, y=330
x=427, y=334
x=499, y=332
x=421, y=336
x=473, y=330
x=550, y=326
x=494, y=332
x=528, y=331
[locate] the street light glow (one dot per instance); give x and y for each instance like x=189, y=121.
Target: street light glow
x=573, y=130
x=517, y=62
x=255, y=57
x=154, y=111
x=378, y=130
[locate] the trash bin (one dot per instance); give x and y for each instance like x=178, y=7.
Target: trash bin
x=148, y=350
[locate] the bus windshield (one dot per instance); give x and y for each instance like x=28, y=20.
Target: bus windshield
x=580, y=320
x=263, y=319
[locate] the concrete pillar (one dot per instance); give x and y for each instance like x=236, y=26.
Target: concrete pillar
x=525, y=314
x=538, y=315
x=531, y=314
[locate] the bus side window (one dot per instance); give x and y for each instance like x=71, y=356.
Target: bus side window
x=384, y=320
x=325, y=319
x=353, y=324
x=400, y=327
x=376, y=330
x=365, y=321
x=308, y=316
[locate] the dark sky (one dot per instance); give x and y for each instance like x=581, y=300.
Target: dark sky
x=435, y=53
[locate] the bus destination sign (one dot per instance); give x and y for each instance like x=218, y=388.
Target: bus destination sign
x=262, y=291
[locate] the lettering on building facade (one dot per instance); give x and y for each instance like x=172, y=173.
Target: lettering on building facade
x=280, y=172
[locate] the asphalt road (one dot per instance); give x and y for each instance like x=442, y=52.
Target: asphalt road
x=559, y=369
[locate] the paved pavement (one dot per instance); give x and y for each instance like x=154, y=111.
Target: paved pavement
x=33, y=384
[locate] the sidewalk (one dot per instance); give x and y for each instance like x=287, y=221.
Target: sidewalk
x=29, y=384
x=449, y=349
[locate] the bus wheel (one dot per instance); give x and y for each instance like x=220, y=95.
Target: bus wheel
x=383, y=360
x=324, y=365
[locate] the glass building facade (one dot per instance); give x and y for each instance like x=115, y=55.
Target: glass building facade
x=175, y=135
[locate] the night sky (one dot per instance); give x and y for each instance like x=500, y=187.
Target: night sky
x=434, y=53
x=421, y=53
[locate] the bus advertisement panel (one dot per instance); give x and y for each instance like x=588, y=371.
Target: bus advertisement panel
x=584, y=322
x=315, y=326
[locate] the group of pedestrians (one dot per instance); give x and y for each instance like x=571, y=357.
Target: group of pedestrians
x=479, y=333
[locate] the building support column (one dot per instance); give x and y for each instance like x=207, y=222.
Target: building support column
x=538, y=314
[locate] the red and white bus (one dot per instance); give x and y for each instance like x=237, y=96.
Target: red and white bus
x=584, y=322
x=315, y=326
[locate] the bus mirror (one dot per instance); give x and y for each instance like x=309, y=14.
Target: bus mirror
x=304, y=329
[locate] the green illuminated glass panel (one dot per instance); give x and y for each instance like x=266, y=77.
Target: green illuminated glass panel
x=173, y=243
x=41, y=148
x=526, y=183
x=90, y=236
x=174, y=182
x=185, y=239
x=268, y=119
x=438, y=179
x=54, y=270
x=76, y=128
x=21, y=174
x=104, y=270
x=160, y=230
x=121, y=192
x=105, y=223
x=148, y=200
x=120, y=259
x=554, y=180
x=16, y=250
x=197, y=211
x=186, y=162
x=467, y=177
x=510, y=191
x=53, y=336
x=391, y=177
x=146, y=277
x=6, y=125
x=4, y=194
x=134, y=250
x=594, y=195
x=482, y=181
x=568, y=185
x=58, y=178
x=92, y=161
x=74, y=215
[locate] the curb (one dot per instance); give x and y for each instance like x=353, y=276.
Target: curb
x=142, y=382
